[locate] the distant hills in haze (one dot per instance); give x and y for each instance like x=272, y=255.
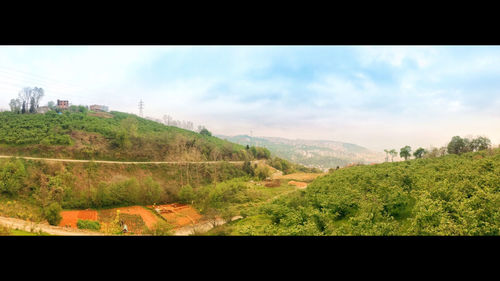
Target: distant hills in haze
x=322, y=154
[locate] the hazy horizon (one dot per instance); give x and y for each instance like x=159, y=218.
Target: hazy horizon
x=376, y=97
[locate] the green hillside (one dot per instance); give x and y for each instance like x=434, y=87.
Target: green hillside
x=449, y=195
x=114, y=136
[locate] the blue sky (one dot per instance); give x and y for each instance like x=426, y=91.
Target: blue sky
x=375, y=96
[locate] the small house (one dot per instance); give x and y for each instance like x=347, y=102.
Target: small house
x=63, y=104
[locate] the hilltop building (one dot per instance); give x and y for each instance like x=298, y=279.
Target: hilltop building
x=99, y=108
x=63, y=104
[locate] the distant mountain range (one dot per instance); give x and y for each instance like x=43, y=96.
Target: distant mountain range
x=320, y=154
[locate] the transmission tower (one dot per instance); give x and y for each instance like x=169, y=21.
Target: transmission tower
x=141, y=107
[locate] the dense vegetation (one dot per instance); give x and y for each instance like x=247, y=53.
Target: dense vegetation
x=116, y=136
x=449, y=195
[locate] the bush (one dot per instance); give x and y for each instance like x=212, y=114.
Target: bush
x=205, y=132
x=53, y=213
x=88, y=224
x=262, y=172
x=12, y=177
x=186, y=194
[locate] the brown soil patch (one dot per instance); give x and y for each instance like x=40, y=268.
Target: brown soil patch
x=147, y=216
x=307, y=177
x=272, y=183
x=298, y=184
x=178, y=215
x=70, y=218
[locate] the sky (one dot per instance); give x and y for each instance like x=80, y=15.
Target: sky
x=379, y=97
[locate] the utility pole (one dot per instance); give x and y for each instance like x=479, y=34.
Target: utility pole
x=141, y=107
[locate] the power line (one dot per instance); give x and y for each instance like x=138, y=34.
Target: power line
x=52, y=81
x=42, y=84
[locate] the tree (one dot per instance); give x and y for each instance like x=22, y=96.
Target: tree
x=30, y=98
x=51, y=105
x=481, y=143
x=393, y=153
x=405, y=152
x=23, y=109
x=419, y=152
x=187, y=194
x=32, y=105
x=15, y=105
x=205, y=132
x=457, y=145
x=432, y=153
x=386, y=155
x=25, y=97
x=37, y=95
x=247, y=167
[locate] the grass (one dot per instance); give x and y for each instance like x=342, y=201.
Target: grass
x=17, y=232
x=20, y=208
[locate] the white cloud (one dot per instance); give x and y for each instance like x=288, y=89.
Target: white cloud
x=396, y=55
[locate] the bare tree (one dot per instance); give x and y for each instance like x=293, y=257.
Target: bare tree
x=386, y=155
x=393, y=153
x=37, y=94
x=25, y=96
x=30, y=98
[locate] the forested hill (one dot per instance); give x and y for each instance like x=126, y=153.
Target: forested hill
x=312, y=153
x=448, y=195
x=111, y=136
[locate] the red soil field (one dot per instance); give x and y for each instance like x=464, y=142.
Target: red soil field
x=149, y=218
x=178, y=215
x=70, y=218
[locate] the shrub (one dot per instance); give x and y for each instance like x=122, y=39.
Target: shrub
x=53, y=213
x=186, y=194
x=88, y=224
x=262, y=172
x=12, y=176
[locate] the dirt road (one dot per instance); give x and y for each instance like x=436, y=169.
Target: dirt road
x=123, y=162
x=36, y=227
x=201, y=227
